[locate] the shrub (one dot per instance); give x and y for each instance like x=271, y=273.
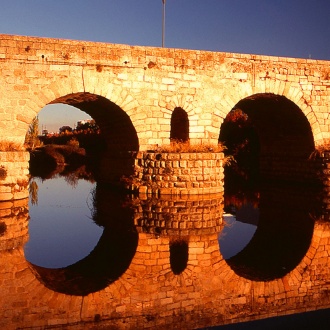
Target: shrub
x=320, y=149
x=178, y=147
x=73, y=143
x=10, y=146
x=3, y=173
x=32, y=136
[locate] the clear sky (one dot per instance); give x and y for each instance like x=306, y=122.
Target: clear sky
x=291, y=28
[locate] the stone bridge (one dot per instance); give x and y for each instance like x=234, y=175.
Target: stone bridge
x=142, y=97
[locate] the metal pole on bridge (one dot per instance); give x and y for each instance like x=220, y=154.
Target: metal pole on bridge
x=163, y=24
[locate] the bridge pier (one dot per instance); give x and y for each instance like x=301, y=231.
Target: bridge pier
x=162, y=173
x=194, y=173
x=14, y=175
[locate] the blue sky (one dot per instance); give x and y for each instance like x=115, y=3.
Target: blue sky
x=290, y=28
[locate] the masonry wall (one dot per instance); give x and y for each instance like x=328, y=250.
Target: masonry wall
x=138, y=88
x=180, y=216
x=148, y=83
x=14, y=175
x=179, y=173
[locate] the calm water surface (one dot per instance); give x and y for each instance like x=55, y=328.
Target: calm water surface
x=61, y=228
x=62, y=231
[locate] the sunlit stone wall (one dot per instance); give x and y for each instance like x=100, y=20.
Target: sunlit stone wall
x=14, y=175
x=13, y=224
x=179, y=173
x=148, y=83
x=181, y=216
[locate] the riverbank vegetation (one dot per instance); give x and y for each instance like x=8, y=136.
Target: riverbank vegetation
x=185, y=147
x=10, y=146
x=66, y=151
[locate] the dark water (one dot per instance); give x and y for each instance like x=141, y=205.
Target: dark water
x=316, y=320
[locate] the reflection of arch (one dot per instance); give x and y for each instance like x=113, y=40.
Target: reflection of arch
x=179, y=254
x=110, y=258
x=104, y=265
x=282, y=238
x=179, y=125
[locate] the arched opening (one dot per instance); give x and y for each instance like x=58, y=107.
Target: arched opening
x=179, y=126
x=269, y=136
x=271, y=141
x=103, y=158
x=114, y=123
x=178, y=255
x=108, y=151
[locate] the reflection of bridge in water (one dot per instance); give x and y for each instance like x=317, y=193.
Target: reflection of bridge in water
x=171, y=273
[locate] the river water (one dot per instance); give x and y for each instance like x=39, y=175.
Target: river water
x=62, y=230
x=104, y=260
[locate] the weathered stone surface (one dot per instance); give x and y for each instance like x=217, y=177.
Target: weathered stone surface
x=207, y=85
x=14, y=176
x=179, y=175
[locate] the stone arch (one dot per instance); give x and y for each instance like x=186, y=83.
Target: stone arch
x=187, y=103
x=114, y=122
x=74, y=91
x=285, y=137
x=229, y=97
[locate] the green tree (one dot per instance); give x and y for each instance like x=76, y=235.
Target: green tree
x=32, y=136
x=65, y=129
